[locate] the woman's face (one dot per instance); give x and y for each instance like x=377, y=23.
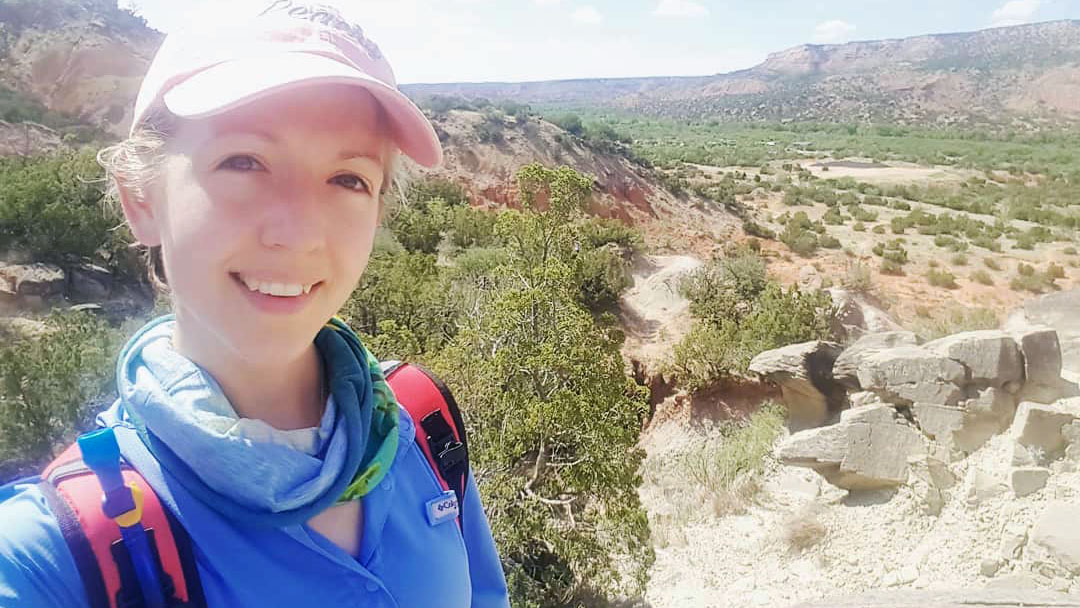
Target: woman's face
x=266, y=216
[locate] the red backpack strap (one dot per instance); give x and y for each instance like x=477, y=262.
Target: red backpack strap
x=440, y=430
x=75, y=497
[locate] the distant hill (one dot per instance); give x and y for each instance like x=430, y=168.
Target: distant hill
x=1029, y=72
x=82, y=60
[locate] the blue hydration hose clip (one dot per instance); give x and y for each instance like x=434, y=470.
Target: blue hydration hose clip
x=123, y=503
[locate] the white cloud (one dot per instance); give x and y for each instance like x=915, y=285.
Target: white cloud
x=547, y=2
x=1014, y=12
x=587, y=14
x=680, y=8
x=836, y=30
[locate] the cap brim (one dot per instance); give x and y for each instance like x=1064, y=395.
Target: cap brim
x=234, y=83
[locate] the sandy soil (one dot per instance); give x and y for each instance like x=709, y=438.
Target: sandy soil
x=653, y=313
x=894, y=173
x=709, y=558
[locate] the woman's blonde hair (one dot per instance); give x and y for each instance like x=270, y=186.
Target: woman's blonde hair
x=136, y=162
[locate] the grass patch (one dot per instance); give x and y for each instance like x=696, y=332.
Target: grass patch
x=937, y=323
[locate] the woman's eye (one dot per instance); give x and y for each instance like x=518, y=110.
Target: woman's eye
x=240, y=162
x=351, y=182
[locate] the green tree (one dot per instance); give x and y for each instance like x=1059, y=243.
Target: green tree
x=553, y=416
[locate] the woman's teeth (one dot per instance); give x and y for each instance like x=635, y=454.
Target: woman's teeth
x=277, y=289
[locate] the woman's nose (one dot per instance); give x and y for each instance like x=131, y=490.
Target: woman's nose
x=293, y=222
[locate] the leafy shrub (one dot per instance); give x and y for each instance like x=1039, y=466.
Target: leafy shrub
x=50, y=385
x=991, y=263
x=941, y=278
x=983, y=277
x=800, y=234
x=420, y=227
x=571, y=123
x=1029, y=279
x=472, y=227
x=740, y=313
x=51, y=207
x=829, y=242
x=891, y=267
x=752, y=228
x=424, y=190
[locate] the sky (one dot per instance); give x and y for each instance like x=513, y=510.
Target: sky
x=521, y=40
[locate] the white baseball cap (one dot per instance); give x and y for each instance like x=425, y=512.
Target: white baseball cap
x=215, y=67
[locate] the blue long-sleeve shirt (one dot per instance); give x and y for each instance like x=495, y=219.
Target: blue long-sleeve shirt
x=404, y=560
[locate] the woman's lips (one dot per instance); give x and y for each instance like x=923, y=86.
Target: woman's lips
x=277, y=304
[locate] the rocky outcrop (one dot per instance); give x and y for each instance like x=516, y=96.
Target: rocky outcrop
x=849, y=454
x=30, y=284
x=909, y=374
x=804, y=374
x=991, y=357
x=921, y=407
x=846, y=370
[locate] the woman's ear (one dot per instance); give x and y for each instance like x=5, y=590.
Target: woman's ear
x=139, y=214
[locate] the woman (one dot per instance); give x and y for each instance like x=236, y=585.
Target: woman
x=259, y=153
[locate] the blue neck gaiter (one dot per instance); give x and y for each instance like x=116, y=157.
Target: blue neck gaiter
x=243, y=468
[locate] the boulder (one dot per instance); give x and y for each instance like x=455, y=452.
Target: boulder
x=1028, y=480
x=940, y=422
x=1061, y=312
x=809, y=278
x=850, y=454
x=1039, y=427
x=873, y=413
x=89, y=283
x=846, y=368
x=856, y=316
x=41, y=280
x=863, y=398
x=1071, y=433
x=982, y=486
x=804, y=373
x=991, y=356
x=1057, y=537
x=908, y=374
x=993, y=404
x=1042, y=354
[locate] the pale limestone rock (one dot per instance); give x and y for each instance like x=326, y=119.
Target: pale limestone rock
x=1056, y=535
x=990, y=566
x=846, y=369
x=850, y=455
x=880, y=412
x=909, y=374
x=1039, y=426
x=939, y=422
x=1028, y=480
x=983, y=486
x=991, y=356
x=863, y=398
x=1042, y=354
